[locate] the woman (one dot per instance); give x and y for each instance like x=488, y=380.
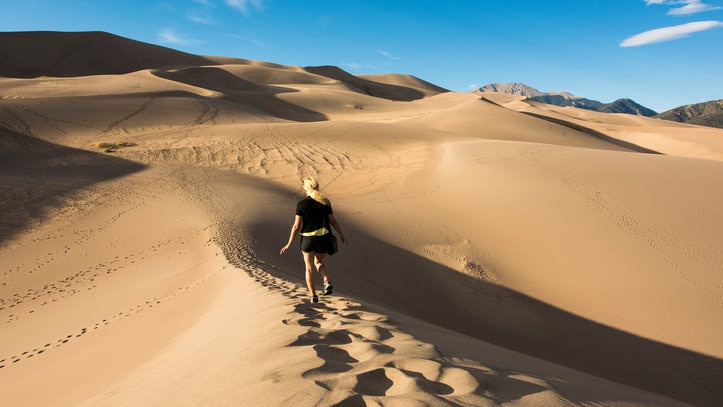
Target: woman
x=314, y=219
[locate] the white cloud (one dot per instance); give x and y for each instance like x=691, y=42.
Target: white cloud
x=244, y=6
x=692, y=7
x=669, y=33
x=351, y=65
x=201, y=17
x=254, y=41
x=356, y=67
x=169, y=36
x=686, y=7
x=388, y=55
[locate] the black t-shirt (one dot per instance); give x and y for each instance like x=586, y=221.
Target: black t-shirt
x=315, y=215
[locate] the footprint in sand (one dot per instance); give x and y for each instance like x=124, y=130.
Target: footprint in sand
x=147, y=305
x=369, y=361
x=366, y=359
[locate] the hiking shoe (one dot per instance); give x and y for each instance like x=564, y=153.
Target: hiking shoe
x=327, y=288
x=314, y=299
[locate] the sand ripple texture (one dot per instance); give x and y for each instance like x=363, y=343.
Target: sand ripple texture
x=141, y=216
x=366, y=358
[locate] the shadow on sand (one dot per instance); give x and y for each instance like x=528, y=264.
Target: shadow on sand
x=375, y=271
x=582, y=129
x=36, y=176
x=242, y=94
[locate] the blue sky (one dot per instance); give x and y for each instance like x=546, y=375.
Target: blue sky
x=660, y=53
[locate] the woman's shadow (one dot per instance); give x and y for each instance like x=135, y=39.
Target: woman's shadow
x=377, y=272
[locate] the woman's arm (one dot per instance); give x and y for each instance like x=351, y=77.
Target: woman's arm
x=294, y=231
x=333, y=222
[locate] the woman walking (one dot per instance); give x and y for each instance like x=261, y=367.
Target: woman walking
x=314, y=220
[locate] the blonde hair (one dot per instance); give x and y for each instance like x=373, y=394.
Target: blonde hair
x=311, y=186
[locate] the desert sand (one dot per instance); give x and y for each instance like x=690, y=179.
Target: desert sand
x=502, y=251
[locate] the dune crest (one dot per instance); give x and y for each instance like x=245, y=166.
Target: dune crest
x=503, y=251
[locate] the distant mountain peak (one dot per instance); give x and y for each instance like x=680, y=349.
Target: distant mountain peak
x=624, y=105
x=513, y=88
x=517, y=88
x=702, y=114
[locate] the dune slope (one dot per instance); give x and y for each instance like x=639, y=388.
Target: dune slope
x=503, y=252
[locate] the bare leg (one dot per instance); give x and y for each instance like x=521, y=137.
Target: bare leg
x=320, y=267
x=308, y=259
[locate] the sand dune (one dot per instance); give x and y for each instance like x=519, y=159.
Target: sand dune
x=65, y=54
x=503, y=251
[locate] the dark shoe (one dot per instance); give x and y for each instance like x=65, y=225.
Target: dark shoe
x=314, y=299
x=327, y=288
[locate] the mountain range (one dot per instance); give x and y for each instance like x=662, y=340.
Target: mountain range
x=567, y=99
x=703, y=114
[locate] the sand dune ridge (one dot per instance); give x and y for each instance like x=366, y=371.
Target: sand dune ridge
x=503, y=251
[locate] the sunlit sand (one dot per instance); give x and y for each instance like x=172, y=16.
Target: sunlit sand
x=503, y=251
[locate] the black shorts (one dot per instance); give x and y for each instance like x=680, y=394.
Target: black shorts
x=319, y=244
